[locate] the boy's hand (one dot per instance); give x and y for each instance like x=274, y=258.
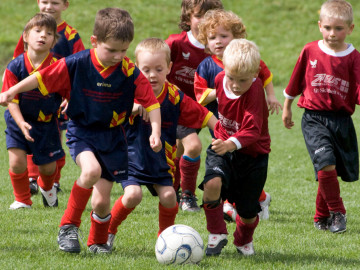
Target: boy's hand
x=286, y=117
x=64, y=105
x=155, y=143
x=222, y=147
x=6, y=97
x=273, y=104
x=25, y=128
x=140, y=110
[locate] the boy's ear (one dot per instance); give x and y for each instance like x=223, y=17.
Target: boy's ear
x=93, y=40
x=169, y=68
x=66, y=5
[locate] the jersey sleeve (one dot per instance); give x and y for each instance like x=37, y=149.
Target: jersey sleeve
x=265, y=74
x=144, y=94
x=192, y=114
x=297, y=83
x=201, y=88
x=55, y=78
x=19, y=49
x=78, y=46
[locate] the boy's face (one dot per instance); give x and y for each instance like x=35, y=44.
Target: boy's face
x=155, y=68
x=53, y=8
x=334, y=32
x=39, y=39
x=195, y=19
x=238, y=84
x=218, y=40
x=110, y=52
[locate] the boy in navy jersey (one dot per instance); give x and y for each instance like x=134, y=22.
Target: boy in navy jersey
x=155, y=170
x=186, y=54
x=327, y=77
x=31, y=119
x=68, y=43
x=237, y=159
x=101, y=85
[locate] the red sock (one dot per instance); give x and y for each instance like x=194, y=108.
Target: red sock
x=20, y=183
x=215, y=219
x=262, y=196
x=118, y=214
x=46, y=182
x=33, y=170
x=321, y=210
x=176, y=183
x=330, y=190
x=167, y=217
x=98, y=231
x=188, y=172
x=60, y=164
x=244, y=232
x=76, y=205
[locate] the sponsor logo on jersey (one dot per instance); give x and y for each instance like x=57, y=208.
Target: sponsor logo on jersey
x=186, y=55
x=330, y=84
x=231, y=126
x=101, y=84
x=186, y=72
x=313, y=63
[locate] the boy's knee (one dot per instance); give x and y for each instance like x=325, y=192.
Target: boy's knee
x=91, y=174
x=213, y=185
x=132, y=197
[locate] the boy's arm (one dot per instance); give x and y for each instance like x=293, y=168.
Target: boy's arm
x=272, y=102
x=16, y=114
x=155, y=120
x=212, y=122
x=204, y=95
x=287, y=113
x=222, y=147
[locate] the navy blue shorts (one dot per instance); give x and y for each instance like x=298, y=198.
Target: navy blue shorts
x=46, y=147
x=330, y=139
x=243, y=178
x=148, y=182
x=108, y=145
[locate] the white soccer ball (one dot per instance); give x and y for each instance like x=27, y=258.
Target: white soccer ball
x=179, y=244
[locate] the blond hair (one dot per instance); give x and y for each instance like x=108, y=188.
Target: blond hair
x=153, y=45
x=338, y=9
x=226, y=19
x=241, y=57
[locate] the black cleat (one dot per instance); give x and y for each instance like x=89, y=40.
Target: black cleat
x=338, y=223
x=68, y=239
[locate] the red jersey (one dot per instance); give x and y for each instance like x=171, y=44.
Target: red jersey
x=243, y=119
x=186, y=54
x=326, y=81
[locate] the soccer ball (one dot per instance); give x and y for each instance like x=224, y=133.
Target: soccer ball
x=179, y=244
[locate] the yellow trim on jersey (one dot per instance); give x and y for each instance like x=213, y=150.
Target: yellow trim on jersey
x=269, y=80
x=162, y=90
x=125, y=66
x=206, y=120
x=16, y=101
x=204, y=95
x=35, y=69
x=153, y=107
x=97, y=58
x=42, y=86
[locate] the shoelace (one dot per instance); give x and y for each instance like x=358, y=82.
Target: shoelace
x=75, y=233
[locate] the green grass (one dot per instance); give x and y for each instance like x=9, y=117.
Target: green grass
x=287, y=241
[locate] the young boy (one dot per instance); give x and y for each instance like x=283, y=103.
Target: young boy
x=216, y=30
x=68, y=43
x=101, y=85
x=237, y=159
x=186, y=54
x=155, y=170
x=326, y=77
x=31, y=119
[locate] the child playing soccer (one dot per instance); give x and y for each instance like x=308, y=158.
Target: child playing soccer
x=31, y=119
x=101, y=85
x=68, y=43
x=155, y=170
x=186, y=54
x=216, y=30
x=237, y=159
x=327, y=77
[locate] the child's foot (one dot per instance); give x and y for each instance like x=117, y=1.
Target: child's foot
x=338, y=223
x=34, y=188
x=322, y=224
x=246, y=250
x=188, y=202
x=17, y=205
x=110, y=241
x=229, y=212
x=57, y=186
x=68, y=239
x=100, y=249
x=49, y=197
x=265, y=213
x=216, y=242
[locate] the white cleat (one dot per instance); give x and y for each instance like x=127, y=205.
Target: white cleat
x=17, y=205
x=264, y=214
x=247, y=249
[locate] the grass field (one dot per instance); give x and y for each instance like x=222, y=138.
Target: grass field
x=287, y=241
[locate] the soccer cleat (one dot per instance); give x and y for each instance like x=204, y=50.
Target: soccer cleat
x=338, y=223
x=34, y=188
x=216, y=242
x=110, y=241
x=322, y=224
x=264, y=214
x=17, y=205
x=49, y=197
x=68, y=239
x=100, y=248
x=188, y=202
x=57, y=186
x=229, y=212
x=246, y=250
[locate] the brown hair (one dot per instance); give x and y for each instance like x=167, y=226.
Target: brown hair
x=41, y=20
x=188, y=6
x=227, y=19
x=113, y=23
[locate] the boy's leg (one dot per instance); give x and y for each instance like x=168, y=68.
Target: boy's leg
x=243, y=235
x=168, y=207
x=322, y=214
x=60, y=164
x=264, y=201
x=47, y=174
x=33, y=175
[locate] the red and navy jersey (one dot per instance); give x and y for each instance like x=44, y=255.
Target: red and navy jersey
x=325, y=80
x=98, y=97
x=186, y=54
x=33, y=105
x=243, y=119
x=210, y=67
x=176, y=108
x=68, y=43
